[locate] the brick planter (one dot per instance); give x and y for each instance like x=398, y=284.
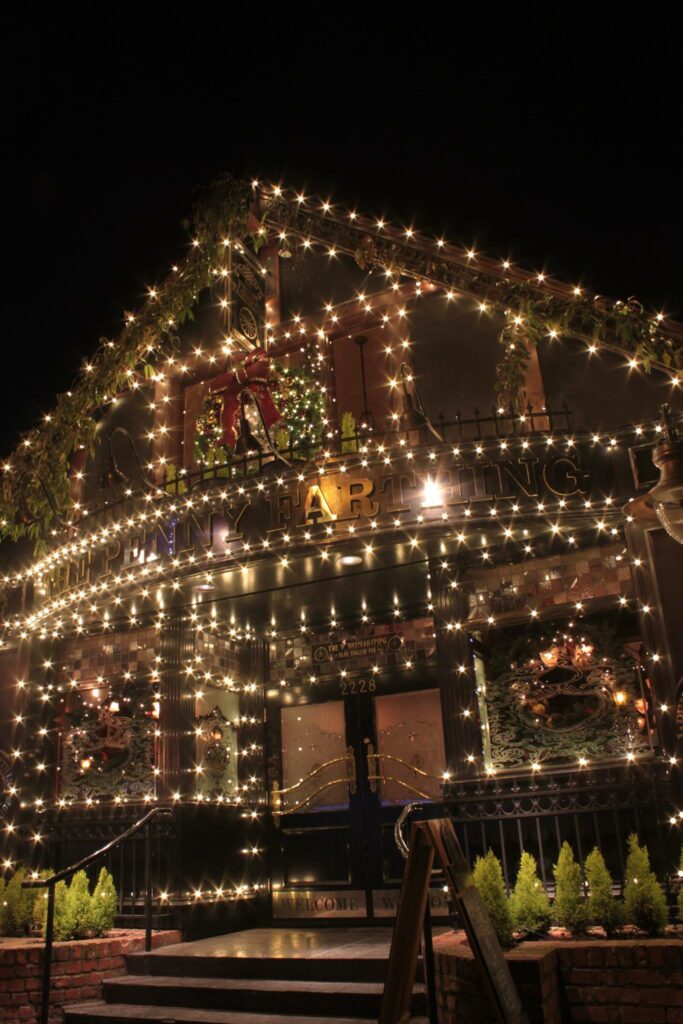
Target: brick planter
x=628, y=981
x=78, y=969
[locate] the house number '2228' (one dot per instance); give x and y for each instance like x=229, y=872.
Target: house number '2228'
x=358, y=686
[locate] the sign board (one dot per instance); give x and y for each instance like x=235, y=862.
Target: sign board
x=432, y=839
x=316, y=904
x=385, y=902
x=246, y=298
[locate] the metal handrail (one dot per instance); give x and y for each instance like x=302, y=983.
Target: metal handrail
x=51, y=883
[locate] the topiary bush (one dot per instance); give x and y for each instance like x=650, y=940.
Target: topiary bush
x=529, y=902
x=103, y=904
x=17, y=910
x=570, y=908
x=74, y=920
x=644, y=900
x=603, y=908
x=488, y=878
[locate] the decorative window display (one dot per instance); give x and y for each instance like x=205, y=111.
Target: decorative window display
x=565, y=691
x=108, y=741
x=110, y=716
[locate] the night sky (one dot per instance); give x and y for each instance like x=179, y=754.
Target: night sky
x=556, y=144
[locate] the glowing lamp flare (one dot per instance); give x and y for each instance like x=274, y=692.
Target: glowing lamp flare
x=432, y=493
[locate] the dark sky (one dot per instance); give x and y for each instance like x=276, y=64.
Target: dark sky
x=556, y=143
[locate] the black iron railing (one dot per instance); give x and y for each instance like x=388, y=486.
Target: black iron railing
x=61, y=876
x=500, y=423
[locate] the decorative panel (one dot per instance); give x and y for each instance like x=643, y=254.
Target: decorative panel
x=410, y=750
x=566, y=691
x=543, y=583
x=314, y=766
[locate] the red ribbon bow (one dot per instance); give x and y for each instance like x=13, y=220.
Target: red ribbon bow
x=252, y=377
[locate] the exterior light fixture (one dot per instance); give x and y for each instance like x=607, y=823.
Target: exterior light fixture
x=350, y=560
x=665, y=500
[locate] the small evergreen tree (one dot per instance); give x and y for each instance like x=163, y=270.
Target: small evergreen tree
x=75, y=918
x=40, y=910
x=488, y=878
x=103, y=904
x=529, y=902
x=18, y=909
x=570, y=906
x=680, y=889
x=644, y=899
x=603, y=908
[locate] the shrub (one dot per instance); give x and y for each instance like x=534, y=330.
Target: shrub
x=644, y=899
x=40, y=910
x=570, y=907
x=74, y=920
x=17, y=913
x=103, y=904
x=603, y=909
x=529, y=902
x=488, y=878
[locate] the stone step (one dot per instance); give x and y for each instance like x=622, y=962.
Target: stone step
x=132, y=1013
x=327, y=968
x=323, y=998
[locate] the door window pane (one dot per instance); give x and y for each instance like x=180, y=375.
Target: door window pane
x=314, y=735
x=410, y=746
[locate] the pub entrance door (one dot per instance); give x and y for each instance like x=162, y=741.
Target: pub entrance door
x=350, y=764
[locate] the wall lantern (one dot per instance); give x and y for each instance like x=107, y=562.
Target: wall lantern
x=665, y=500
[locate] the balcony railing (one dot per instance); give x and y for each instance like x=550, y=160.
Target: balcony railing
x=500, y=423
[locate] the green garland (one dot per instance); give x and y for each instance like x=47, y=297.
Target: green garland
x=43, y=460
x=623, y=326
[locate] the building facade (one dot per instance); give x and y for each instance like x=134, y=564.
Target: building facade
x=342, y=528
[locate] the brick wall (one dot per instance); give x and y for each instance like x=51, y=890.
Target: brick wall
x=632, y=981
x=78, y=969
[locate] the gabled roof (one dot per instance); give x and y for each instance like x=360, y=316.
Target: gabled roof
x=534, y=306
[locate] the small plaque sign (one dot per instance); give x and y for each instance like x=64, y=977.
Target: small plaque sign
x=319, y=904
x=357, y=646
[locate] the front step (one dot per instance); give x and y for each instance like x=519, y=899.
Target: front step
x=129, y=1013
x=277, y=968
x=327, y=998
x=258, y=976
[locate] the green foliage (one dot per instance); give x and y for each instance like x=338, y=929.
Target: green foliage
x=529, y=902
x=348, y=433
x=75, y=917
x=644, y=899
x=488, y=878
x=603, y=908
x=103, y=904
x=570, y=909
x=17, y=909
x=622, y=326
x=40, y=910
